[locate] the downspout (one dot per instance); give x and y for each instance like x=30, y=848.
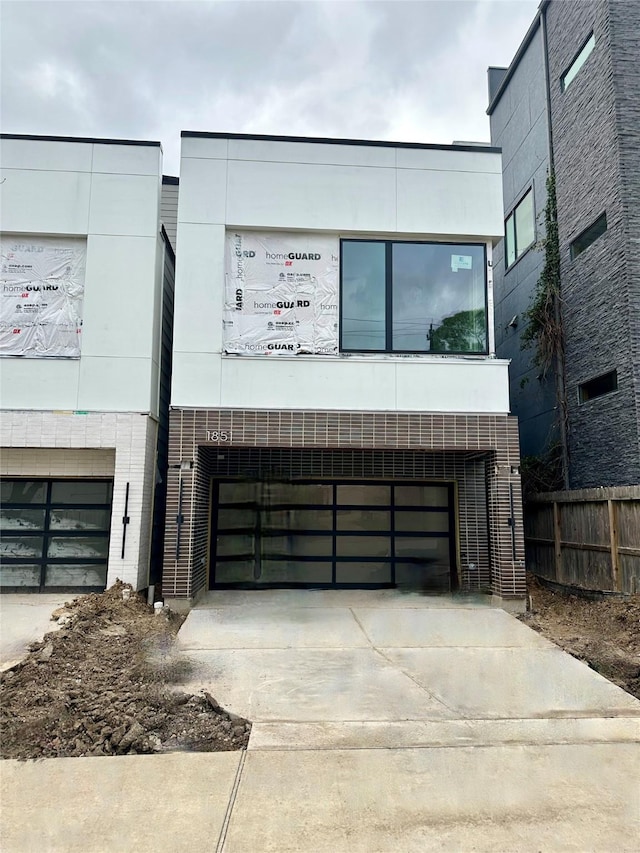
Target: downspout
x=561, y=391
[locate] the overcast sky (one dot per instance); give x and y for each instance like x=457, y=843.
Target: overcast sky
x=147, y=69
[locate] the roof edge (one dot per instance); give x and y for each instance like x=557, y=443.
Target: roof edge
x=524, y=44
x=322, y=140
x=87, y=139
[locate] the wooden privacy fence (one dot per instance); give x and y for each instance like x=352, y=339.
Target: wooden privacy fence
x=586, y=537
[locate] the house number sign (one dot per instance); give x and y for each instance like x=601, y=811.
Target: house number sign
x=220, y=436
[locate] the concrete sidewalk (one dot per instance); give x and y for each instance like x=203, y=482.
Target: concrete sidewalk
x=382, y=722
x=24, y=619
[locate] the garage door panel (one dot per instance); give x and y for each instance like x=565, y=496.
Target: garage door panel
x=236, y=545
x=368, y=533
x=296, y=518
x=363, y=572
x=54, y=534
x=427, y=575
x=363, y=520
x=421, y=521
x=236, y=571
x=367, y=493
x=296, y=571
x=363, y=546
x=297, y=546
x=421, y=496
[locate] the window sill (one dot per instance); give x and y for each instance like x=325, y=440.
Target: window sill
x=397, y=358
x=520, y=257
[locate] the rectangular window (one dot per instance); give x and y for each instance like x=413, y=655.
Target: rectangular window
x=605, y=384
x=413, y=297
x=578, y=62
x=588, y=236
x=519, y=229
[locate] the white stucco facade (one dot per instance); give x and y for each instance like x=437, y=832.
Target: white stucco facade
x=346, y=191
x=58, y=410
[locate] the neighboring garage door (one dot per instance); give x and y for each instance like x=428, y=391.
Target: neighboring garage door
x=355, y=533
x=54, y=534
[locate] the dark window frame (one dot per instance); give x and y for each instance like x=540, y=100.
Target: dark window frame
x=512, y=215
x=584, y=395
x=576, y=247
x=388, y=350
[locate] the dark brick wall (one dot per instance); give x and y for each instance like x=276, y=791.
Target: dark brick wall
x=624, y=30
x=478, y=452
x=599, y=287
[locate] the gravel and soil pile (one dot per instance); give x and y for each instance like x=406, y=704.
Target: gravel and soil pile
x=105, y=684
x=605, y=634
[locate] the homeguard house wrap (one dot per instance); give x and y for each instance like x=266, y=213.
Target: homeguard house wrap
x=85, y=317
x=338, y=414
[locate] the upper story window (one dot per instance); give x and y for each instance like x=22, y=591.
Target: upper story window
x=413, y=297
x=578, y=62
x=519, y=229
x=588, y=236
x=598, y=387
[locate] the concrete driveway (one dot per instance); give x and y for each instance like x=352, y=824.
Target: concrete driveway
x=382, y=722
x=386, y=721
x=24, y=619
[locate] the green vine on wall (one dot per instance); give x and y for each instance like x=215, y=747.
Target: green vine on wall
x=543, y=331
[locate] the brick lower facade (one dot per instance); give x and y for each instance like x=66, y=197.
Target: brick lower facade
x=115, y=445
x=478, y=452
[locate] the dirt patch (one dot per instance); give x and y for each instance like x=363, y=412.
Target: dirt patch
x=605, y=634
x=104, y=684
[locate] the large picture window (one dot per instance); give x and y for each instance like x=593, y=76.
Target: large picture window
x=413, y=297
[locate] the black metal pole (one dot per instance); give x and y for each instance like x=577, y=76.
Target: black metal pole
x=125, y=521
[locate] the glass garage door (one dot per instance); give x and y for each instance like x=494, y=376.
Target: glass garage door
x=54, y=534
x=333, y=534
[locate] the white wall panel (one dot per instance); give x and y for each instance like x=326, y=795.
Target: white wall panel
x=462, y=386
x=361, y=384
x=293, y=195
x=120, y=296
x=195, y=379
x=39, y=383
x=125, y=204
x=308, y=384
x=46, y=155
x=42, y=202
x=443, y=160
x=199, y=289
x=450, y=203
x=203, y=191
x=198, y=146
x=311, y=152
x=115, y=384
x=128, y=159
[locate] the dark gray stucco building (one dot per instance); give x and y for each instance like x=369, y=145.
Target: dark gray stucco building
x=571, y=100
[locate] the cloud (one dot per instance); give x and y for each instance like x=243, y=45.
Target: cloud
x=413, y=71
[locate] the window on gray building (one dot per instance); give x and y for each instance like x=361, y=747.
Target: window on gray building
x=578, y=62
x=588, y=236
x=520, y=229
x=598, y=387
x=413, y=297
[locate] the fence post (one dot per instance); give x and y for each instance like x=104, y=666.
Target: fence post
x=557, y=541
x=613, y=537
